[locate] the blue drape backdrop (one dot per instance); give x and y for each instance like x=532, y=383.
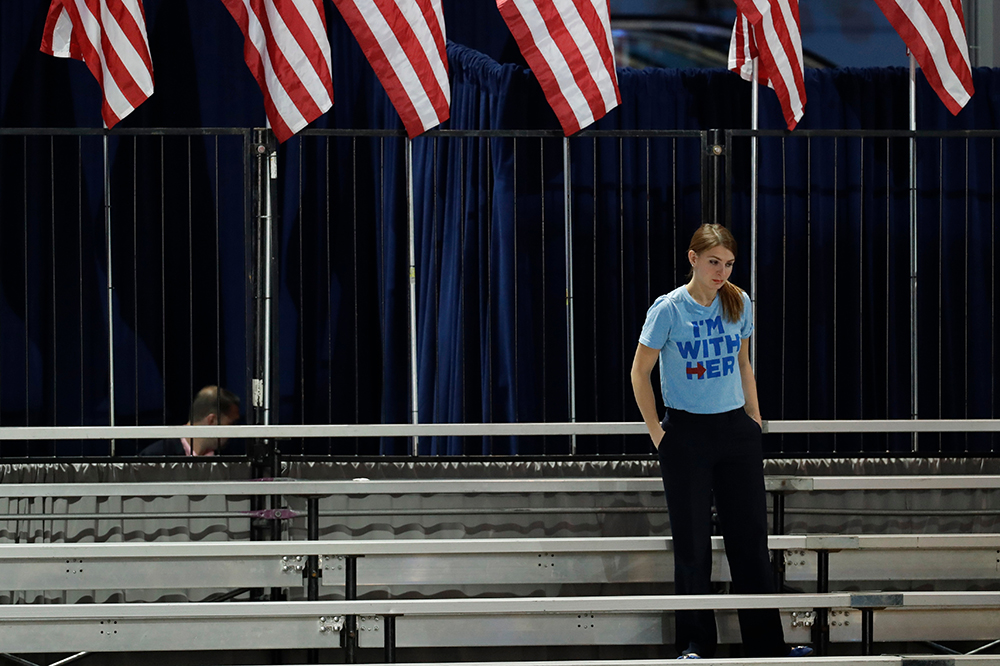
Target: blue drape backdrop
x=833, y=312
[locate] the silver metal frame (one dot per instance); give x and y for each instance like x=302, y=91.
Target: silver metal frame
x=291, y=624
x=473, y=429
x=416, y=563
x=291, y=487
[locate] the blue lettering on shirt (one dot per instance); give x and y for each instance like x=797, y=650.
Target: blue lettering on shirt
x=697, y=343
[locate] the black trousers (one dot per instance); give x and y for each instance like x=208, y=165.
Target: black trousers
x=706, y=455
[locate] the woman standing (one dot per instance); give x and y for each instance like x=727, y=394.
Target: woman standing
x=709, y=442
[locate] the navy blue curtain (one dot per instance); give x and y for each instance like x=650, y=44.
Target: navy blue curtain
x=833, y=313
x=833, y=301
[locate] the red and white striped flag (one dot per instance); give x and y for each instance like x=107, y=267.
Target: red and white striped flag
x=110, y=37
x=934, y=31
x=287, y=49
x=404, y=41
x=770, y=29
x=567, y=44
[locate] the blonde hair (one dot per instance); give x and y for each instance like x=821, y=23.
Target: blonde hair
x=705, y=238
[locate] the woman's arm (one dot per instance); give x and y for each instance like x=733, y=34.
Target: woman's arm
x=642, y=365
x=749, y=383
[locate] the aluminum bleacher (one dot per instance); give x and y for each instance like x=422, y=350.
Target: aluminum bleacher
x=379, y=568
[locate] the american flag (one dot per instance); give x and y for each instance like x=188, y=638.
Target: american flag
x=404, y=41
x=110, y=37
x=287, y=49
x=769, y=29
x=567, y=44
x=934, y=31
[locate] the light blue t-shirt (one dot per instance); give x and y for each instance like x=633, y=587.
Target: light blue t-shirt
x=699, y=365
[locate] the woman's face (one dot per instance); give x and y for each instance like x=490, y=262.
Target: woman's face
x=712, y=267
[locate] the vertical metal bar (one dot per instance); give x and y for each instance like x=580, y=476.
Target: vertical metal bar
x=2, y=206
x=570, y=338
x=545, y=384
x=79, y=239
x=277, y=594
x=706, y=177
x=965, y=347
x=517, y=337
x=52, y=223
x=255, y=183
x=218, y=276
x=27, y=336
x=462, y=239
x=888, y=255
x=312, y=534
x=412, y=293
x=312, y=571
x=390, y=639
x=649, y=217
x=754, y=148
x=778, y=527
x=135, y=271
x=808, y=336
x=434, y=264
x=593, y=281
x=383, y=279
x=784, y=281
x=249, y=154
x=914, y=393
x=712, y=150
x=354, y=287
x=191, y=276
x=727, y=152
x=621, y=269
x=940, y=280
x=673, y=216
x=836, y=197
x=488, y=333
x=163, y=270
x=778, y=512
x=867, y=629
x=270, y=176
x=350, y=621
x=302, y=298
x=111, y=290
x=263, y=164
x=861, y=284
x=822, y=626
x=329, y=296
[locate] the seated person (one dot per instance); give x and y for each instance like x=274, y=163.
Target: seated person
x=212, y=405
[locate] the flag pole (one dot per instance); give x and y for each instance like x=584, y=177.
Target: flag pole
x=914, y=396
x=754, y=116
x=412, y=294
x=570, y=339
x=111, y=289
x=270, y=176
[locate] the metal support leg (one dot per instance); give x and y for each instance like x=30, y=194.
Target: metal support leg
x=867, y=626
x=277, y=593
x=390, y=639
x=312, y=572
x=350, y=634
x=822, y=571
x=778, y=513
x=778, y=527
x=821, y=629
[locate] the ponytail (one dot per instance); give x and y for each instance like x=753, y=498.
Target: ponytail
x=732, y=302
